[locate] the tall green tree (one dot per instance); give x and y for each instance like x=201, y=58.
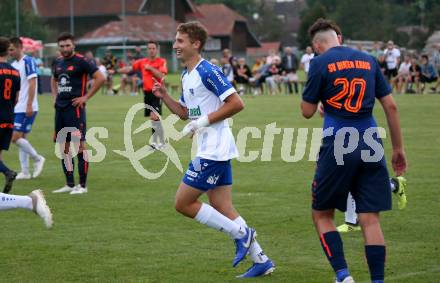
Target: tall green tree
x=30, y=24
x=308, y=17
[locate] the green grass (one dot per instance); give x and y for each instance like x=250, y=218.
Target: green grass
x=126, y=229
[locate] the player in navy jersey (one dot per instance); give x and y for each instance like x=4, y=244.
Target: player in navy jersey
x=9, y=89
x=69, y=89
x=347, y=82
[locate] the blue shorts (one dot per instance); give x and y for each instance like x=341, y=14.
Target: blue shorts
x=368, y=182
x=22, y=123
x=205, y=174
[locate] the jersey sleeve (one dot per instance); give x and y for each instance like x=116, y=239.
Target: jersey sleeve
x=216, y=82
x=312, y=89
x=163, y=67
x=89, y=68
x=137, y=65
x=30, y=67
x=182, y=98
x=382, y=87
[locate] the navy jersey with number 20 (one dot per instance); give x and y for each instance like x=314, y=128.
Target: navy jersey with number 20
x=347, y=82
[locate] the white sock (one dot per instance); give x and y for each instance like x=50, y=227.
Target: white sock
x=208, y=216
x=24, y=160
x=26, y=146
x=392, y=186
x=350, y=214
x=256, y=252
x=12, y=201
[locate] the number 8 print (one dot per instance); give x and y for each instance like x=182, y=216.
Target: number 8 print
x=7, y=92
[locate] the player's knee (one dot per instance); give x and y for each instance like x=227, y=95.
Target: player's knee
x=180, y=206
x=369, y=219
x=319, y=216
x=223, y=208
x=15, y=137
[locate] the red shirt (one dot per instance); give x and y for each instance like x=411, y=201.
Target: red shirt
x=158, y=63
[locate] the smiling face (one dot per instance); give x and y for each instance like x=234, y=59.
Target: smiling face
x=14, y=51
x=185, y=49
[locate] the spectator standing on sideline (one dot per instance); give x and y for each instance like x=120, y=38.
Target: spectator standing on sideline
x=289, y=63
x=306, y=58
x=392, y=57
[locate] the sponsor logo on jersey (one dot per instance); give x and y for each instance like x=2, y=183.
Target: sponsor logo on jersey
x=63, y=84
x=194, y=112
x=220, y=79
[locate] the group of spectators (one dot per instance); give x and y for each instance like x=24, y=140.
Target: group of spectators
x=109, y=66
x=410, y=73
x=270, y=72
x=276, y=73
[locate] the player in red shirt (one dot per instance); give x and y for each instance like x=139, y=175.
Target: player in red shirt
x=151, y=66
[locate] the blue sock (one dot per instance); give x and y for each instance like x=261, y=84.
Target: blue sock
x=342, y=274
x=377, y=281
x=3, y=168
x=334, y=250
x=376, y=262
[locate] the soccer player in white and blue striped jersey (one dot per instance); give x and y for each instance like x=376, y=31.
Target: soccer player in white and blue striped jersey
x=25, y=110
x=208, y=99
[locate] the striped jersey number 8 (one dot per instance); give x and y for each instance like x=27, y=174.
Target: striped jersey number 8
x=348, y=88
x=7, y=89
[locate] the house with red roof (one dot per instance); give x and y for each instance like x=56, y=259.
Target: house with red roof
x=100, y=23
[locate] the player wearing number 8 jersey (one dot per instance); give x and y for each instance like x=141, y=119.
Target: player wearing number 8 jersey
x=9, y=88
x=347, y=82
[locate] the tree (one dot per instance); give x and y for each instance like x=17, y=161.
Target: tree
x=308, y=17
x=377, y=20
x=30, y=24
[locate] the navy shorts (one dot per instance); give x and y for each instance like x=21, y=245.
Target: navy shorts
x=22, y=123
x=205, y=174
x=153, y=101
x=5, y=135
x=368, y=182
x=70, y=124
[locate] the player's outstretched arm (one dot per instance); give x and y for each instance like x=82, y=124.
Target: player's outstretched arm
x=125, y=70
x=399, y=158
x=232, y=105
x=160, y=91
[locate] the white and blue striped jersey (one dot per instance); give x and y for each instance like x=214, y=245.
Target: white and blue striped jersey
x=28, y=69
x=203, y=91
